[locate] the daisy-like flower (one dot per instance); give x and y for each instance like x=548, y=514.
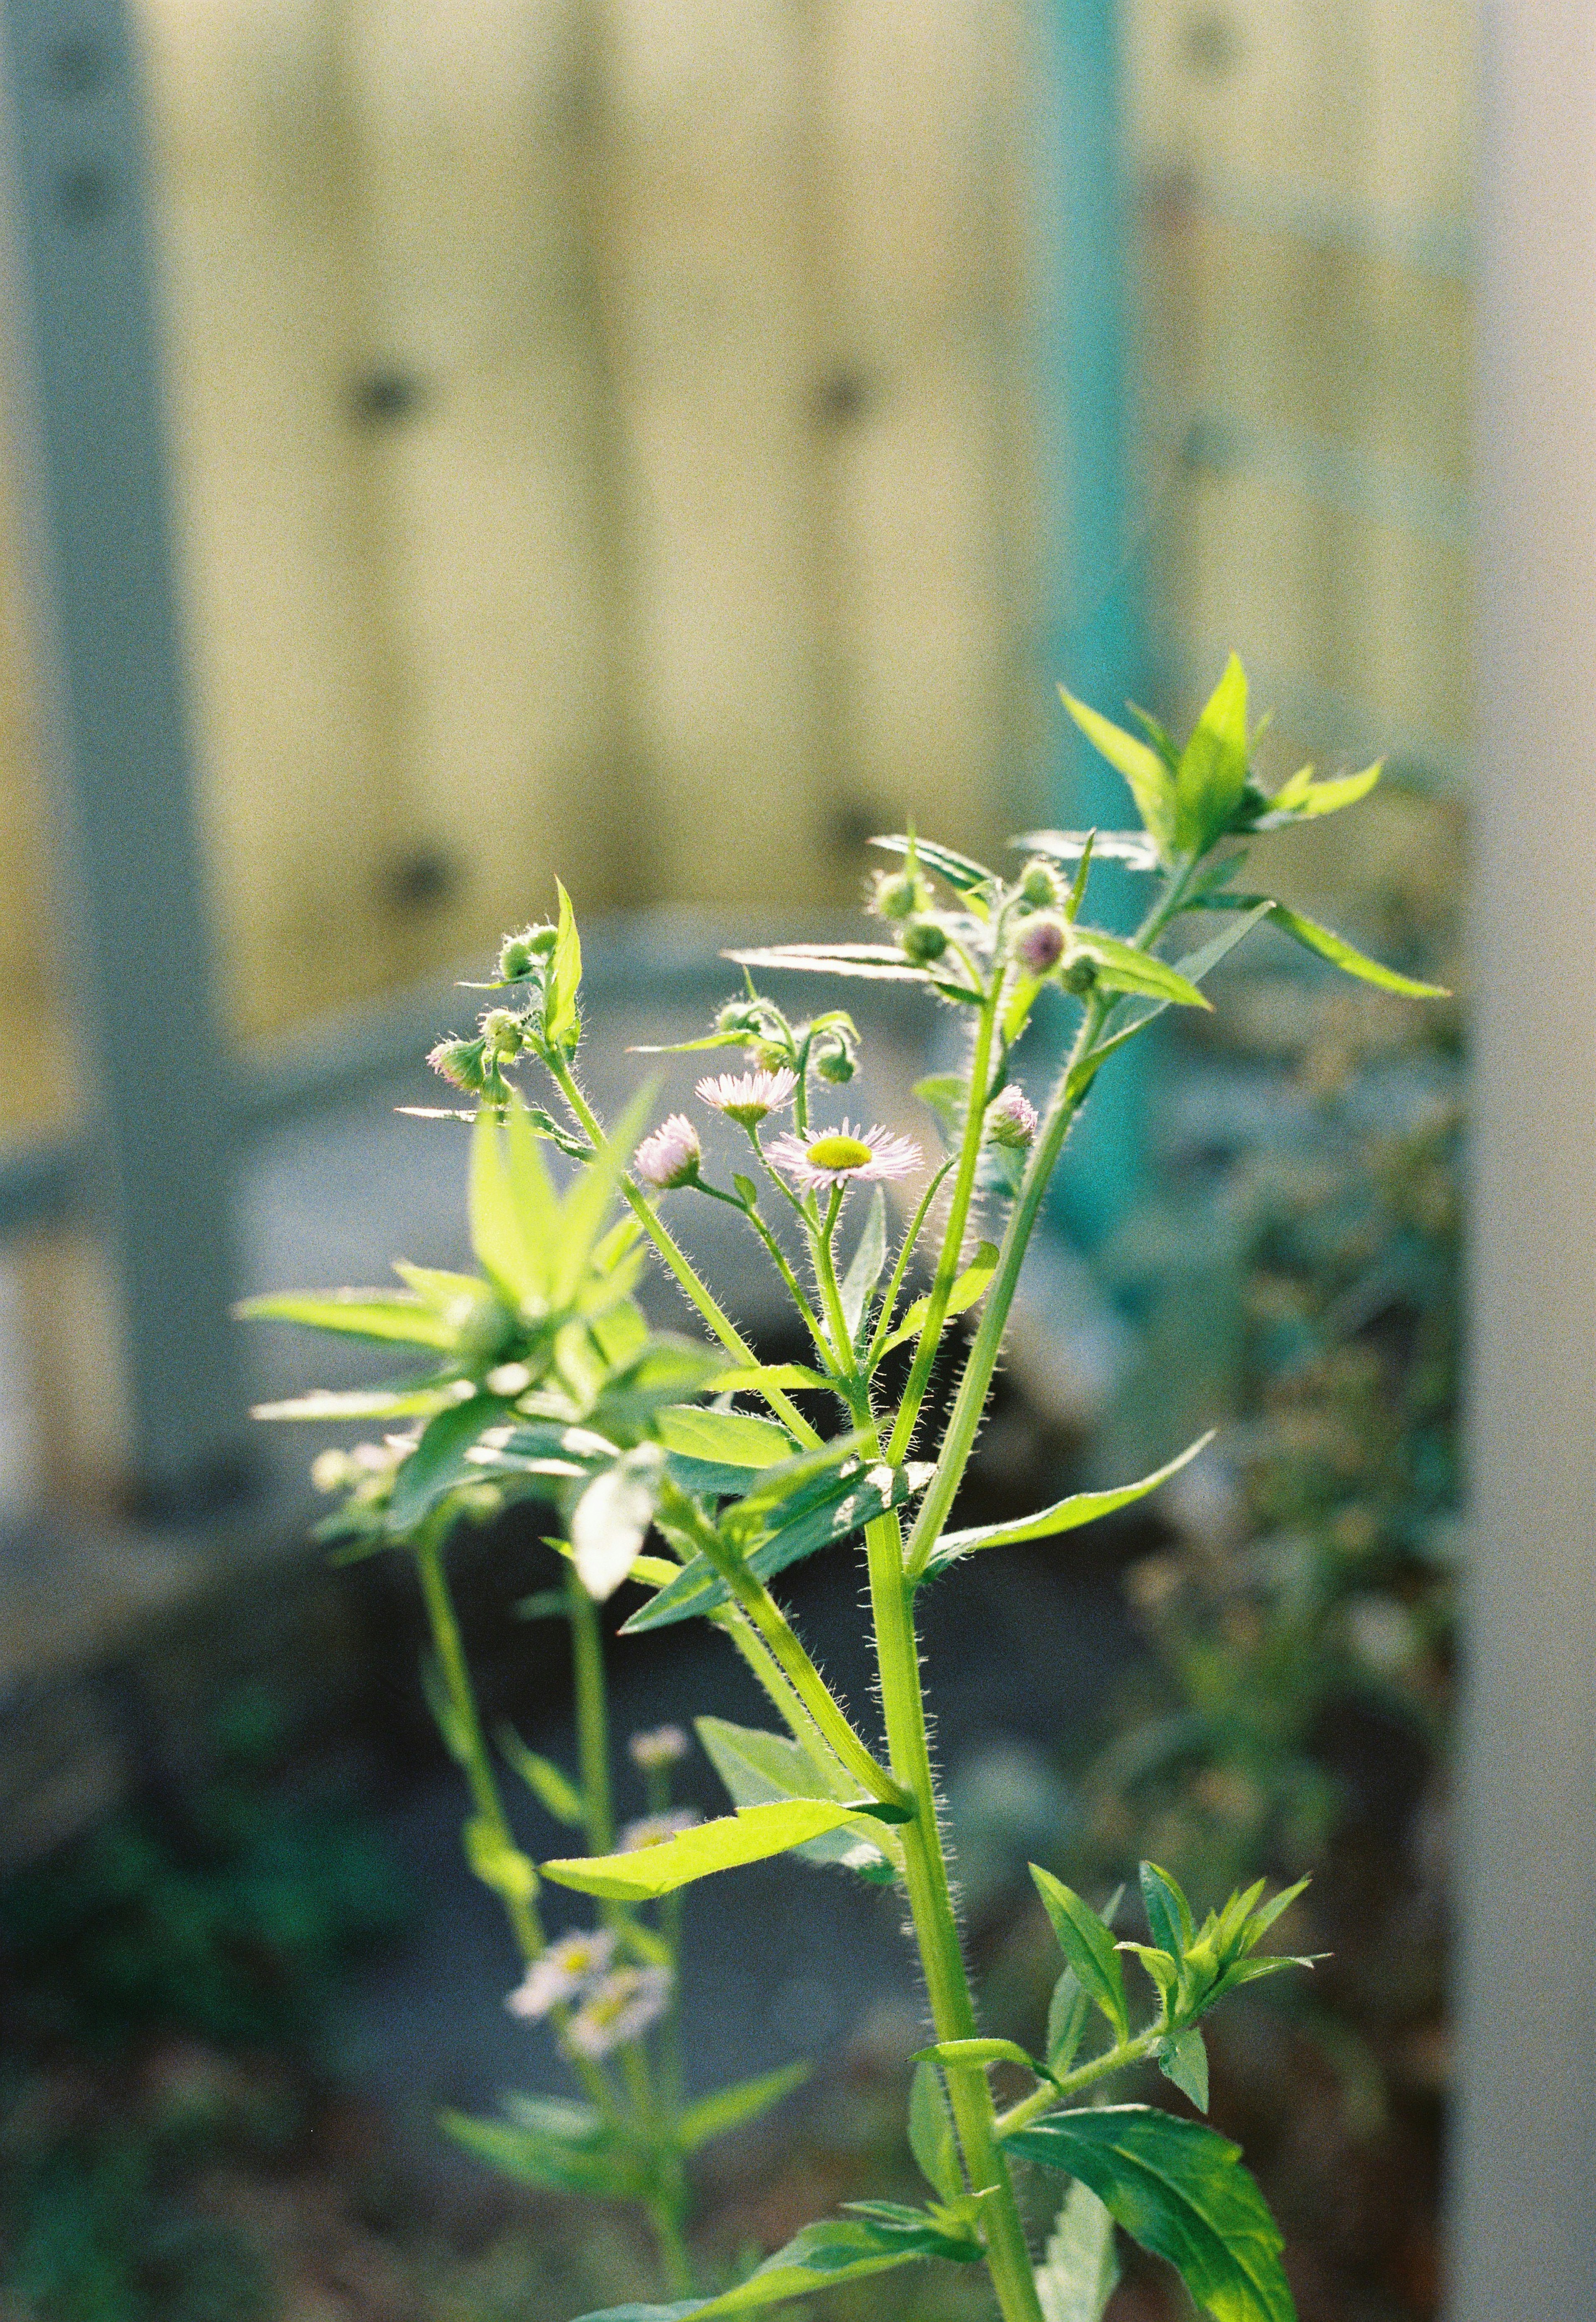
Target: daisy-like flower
x=671, y=1155
x=845, y=1157
x=621, y=2008
x=1011, y=1118
x=662, y=1745
x=566, y=1968
x=654, y=1829
x=747, y=1097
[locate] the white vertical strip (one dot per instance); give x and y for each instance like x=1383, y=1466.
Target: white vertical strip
x=1524, y=2176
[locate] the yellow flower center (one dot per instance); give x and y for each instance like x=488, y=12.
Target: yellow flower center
x=839, y=1153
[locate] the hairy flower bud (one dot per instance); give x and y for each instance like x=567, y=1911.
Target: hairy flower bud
x=923, y=941
x=1011, y=1119
x=899, y=894
x=1039, y=944
x=519, y=953
x=1080, y=976
x=504, y=1032
x=1040, y=887
x=461, y=1062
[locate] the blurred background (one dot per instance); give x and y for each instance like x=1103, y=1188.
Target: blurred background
x=665, y=444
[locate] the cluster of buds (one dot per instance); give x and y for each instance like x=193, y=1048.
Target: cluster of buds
x=904, y=898
x=829, y=1047
x=503, y=1034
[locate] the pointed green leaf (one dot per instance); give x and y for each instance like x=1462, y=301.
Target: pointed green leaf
x=1213, y=769
x=1151, y=783
x=1169, y=1914
x=1123, y=967
x=1327, y=945
x=967, y=1288
x=564, y=2148
x=1067, y=2012
x=1302, y=798
x=760, y=1767
x=956, y=870
x=1134, y=848
x=1162, y=1966
x=1064, y=1515
x=440, y=1463
x=454, y=1294
x=513, y=1218
x=587, y=1203
x=864, y=1271
x=1088, y=1945
x=820, y=2257
x=1260, y=1921
x=1081, y=2269
x=553, y=1789
x=496, y=1862
x=1250, y=1970
x=1179, y=2190
x=931, y=2137
x=756, y=1375
x=565, y=977
x=730, y=1438
x=872, y=962
x=393, y=1314
x=323, y=1405
x=752, y=1834
x=733, y=2107
x=1184, y=2059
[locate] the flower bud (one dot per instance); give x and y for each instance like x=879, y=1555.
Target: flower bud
x=1039, y=944
x=923, y=940
x=504, y=1032
x=1039, y=885
x=461, y=1062
x=1080, y=976
x=835, y=1063
x=1011, y=1119
x=898, y=895
x=519, y=953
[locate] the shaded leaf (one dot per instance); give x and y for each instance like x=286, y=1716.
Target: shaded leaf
x=729, y=2109
x=1184, y=2059
x=865, y=1270
x=1079, y=2271
x=1067, y=2014
x=562, y=2147
x=1169, y=1914
x=931, y=2137
x=554, y=1789
x=1180, y=2191
x=1134, y=848
x=1088, y=1945
x=440, y=1462
x=837, y=2250
x=968, y=1286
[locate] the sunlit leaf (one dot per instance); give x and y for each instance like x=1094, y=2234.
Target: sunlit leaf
x=1151, y=783
x=514, y=1209
x=1181, y=2190
x=1064, y=1515
x=975, y=2051
x=752, y=1834
x=864, y=1271
x=758, y=1768
x=732, y=1439
x=1134, y=848
x=393, y=1314
x=324, y=1405
x=1301, y=799
x=882, y=962
x=956, y=870
x=820, y=2257
x=1088, y=1945
x=439, y=1464
x=553, y=1790
x=565, y=976
x=1213, y=769
x=1122, y=967
x=1328, y=946
x=968, y=1286
x=931, y=2137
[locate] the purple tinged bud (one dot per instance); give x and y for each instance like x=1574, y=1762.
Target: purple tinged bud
x=1011, y=1119
x=1040, y=945
x=670, y=1157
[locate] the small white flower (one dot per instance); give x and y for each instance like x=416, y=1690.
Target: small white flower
x=671, y=1155
x=566, y=1968
x=747, y=1097
x=621, y=2008
x=664, y=1745
x=653, y=1830
x=842, y=1155
x=610, y=1522
x=1011, y=1118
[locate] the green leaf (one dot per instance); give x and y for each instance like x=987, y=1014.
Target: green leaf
x=1260, y=1921
x=1162, y=1966
x=1067, y=2012
x=565, y=977
x=1169, y=1914
x=931, y=2137
x=864, y=1271
x=587, y=1203
x=752, y=1834
x=945, y=1096
x=956, y=870
x=1134, y=848
x=760, y=1767
x=324, y=1405
x=1088, y=1945
x=874, y=962
x=976, y=2052
x=1184, y=2059
x=1249, y=1971
x=967, y=1288
x=1328, y=946
x=728, y=1439
x=1122, y=967
x=763, y=1374
x=497, y=1863
x=1064, y=1515
x=1179, y=2190
x=393, y=1314
x=923, y=2232
x=1081, y=2269
x=439, y=1464
x=561, y=2147
x=1213, y=769
x=837, y=2250
x=1151, y=783
x=554, y=1790
x=1301, y=799
x=515, y=1214
x=730, y=2108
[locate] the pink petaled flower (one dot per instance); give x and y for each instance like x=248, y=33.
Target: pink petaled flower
x=747, y=1097
x=623, y=2006
x=671, y=1155
x=1011, y=1118
x=844, y=1156
x=654, y=1829
x=565, y=1968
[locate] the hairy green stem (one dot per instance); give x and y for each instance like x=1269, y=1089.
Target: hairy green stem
x=587, y=1655
x=677, y=1260
x=1051, y=2093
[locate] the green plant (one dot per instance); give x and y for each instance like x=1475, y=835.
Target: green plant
x=546, y=1383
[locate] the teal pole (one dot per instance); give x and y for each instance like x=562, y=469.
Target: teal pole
x=1091, y=638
